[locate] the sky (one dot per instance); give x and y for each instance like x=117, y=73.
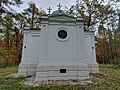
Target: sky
x=44, y=4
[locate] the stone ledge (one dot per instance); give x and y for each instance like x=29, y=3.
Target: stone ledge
x=63, y=78
x=48, y=67
x=41, y=74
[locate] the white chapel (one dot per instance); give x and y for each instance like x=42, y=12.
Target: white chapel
x=60, y=50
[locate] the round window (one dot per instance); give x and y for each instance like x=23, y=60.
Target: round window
x=62, y=34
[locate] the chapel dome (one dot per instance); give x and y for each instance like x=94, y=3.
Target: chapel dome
x=59, y=13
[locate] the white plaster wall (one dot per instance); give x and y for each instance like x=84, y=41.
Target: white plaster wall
x=43, y=43
x=93, y=50
x=87, y=49
x=32, y=43
x=80, y=43
x=24, y=50
x=90, y=54
x=62, y=52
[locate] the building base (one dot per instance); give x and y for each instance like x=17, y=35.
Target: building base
x=27, y=69
x=93, y=68
x=46, y=72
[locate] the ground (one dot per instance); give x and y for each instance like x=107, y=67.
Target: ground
x=109, y=79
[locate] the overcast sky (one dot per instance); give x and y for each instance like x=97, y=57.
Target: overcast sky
x=44, y=4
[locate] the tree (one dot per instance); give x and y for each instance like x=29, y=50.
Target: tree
x=8, y=3
x=102, y=15
x=33, y=14
x=89, y=11
x=2, y=53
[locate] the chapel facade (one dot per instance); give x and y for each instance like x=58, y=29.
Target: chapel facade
x=60, y=50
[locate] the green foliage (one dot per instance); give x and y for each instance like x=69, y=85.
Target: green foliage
x=102, y=16
x=3, y=58
x=116, y=63
x=97, y=12
x=2, y=53
x=11, y=39
x=8, y=3
x=33, y=14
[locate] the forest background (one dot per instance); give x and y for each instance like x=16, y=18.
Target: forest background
x=99, y=15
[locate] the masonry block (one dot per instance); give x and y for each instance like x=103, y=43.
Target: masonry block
x=41, y=74
x=73, y=73
x=52, y=73
x=83, y=73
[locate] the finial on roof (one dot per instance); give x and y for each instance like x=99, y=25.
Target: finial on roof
x=49, y=10
x=59, y=7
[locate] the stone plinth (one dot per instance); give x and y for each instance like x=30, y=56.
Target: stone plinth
x=45, y=72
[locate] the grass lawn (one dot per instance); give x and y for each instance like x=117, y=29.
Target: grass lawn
x=110, y=80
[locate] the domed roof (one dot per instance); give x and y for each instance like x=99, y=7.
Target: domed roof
x=59, y=13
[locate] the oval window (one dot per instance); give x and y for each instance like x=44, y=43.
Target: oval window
x=62, y=34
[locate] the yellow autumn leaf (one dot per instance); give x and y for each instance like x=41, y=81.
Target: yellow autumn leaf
x=40, y=14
